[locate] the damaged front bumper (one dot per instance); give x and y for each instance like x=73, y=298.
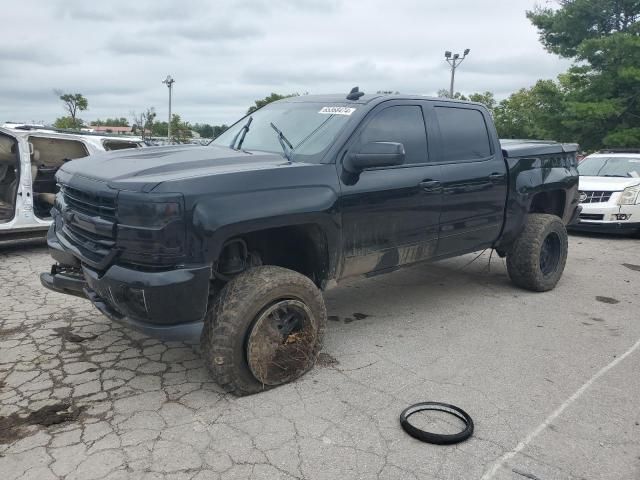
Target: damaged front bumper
x=168, y=304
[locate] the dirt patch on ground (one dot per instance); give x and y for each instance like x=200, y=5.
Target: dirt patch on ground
x=352, y=318
x=13, y=427
x=326, y=360
x=66, y=333
x=5, y=332
x=609, y=300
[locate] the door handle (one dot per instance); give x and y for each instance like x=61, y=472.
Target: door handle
x=430, y=185
x=496, y=177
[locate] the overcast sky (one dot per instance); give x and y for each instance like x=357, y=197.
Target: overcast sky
x=225, y=54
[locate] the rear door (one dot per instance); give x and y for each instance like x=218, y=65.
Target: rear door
x=390, y=214
x=474, y=178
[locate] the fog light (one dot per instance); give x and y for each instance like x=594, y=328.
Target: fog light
x=622, y=216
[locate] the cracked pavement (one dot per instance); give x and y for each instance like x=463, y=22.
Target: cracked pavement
x=136, y=407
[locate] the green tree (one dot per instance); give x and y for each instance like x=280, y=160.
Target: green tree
x=266, y=100
x=486, y=98
x=159, y=129
x=143, y=123
x=111, y=122
x=208, y=131
x=602, y=90
x=68, y=123
x=444, y=93
x=203, y=129
x=73, y=103
x=219, y=130
x=535, y=112
x=180, y=131
x=563, y=30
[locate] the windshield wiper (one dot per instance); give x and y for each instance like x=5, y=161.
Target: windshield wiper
x=284, y=142
x=241, y=133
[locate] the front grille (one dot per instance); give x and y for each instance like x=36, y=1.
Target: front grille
x=594, y=196
x=93, y=205
x=88, y=222
x=591, y=216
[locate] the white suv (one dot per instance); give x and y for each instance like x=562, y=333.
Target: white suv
x=29, y=159
x=610, y=192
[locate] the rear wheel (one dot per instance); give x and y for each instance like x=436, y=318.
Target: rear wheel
x=538, y=256
x=264, y=329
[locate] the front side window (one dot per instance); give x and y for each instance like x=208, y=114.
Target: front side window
x=463, y=133
x=610, y=167
x=402, y=124
x=311, y=128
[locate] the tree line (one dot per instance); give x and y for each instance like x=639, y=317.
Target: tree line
x=143, y=124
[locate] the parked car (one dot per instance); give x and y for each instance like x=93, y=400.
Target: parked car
x=237, y=240
x=610, y=192
x=29, y=159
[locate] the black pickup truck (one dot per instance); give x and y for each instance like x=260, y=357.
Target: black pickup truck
x=236, y=240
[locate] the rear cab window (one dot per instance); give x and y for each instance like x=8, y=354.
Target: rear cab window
x=463, y=134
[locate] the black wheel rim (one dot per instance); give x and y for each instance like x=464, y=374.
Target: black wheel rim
x=550, y=254
x=281, y=343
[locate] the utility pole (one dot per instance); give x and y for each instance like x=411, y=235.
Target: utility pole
x=169, y=82
x=454, y=60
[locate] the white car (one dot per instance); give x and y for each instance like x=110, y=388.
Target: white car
x=29, y=159
x=610, y=192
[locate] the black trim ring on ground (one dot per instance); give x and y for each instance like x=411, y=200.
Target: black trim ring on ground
x=437, y=438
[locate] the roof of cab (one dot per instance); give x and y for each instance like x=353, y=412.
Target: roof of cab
x=366, y=98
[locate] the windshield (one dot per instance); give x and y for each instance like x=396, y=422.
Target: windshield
x=610, y=167
x=310, y=127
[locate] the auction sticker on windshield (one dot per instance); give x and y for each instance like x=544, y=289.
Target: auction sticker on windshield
x=337, y=110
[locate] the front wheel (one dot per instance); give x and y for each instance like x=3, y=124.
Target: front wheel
x=538, y=256
x=264, y=329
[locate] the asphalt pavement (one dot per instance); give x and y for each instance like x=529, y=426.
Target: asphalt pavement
x=551, y=380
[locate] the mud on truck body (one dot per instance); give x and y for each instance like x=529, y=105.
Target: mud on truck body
x=236, y=240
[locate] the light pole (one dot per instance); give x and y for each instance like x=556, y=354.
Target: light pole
x=169, y=82
x=454, y=60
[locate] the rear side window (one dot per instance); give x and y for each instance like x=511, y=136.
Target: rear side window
x=464, y=134
x=403, y=124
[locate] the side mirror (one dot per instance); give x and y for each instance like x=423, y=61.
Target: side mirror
x=375, y=154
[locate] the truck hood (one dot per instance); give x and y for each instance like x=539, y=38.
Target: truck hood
x=143, y=169
x=607, y=184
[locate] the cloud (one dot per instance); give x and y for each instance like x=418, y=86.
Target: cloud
x=224, y=55
x=206, y=32
x=135, y=46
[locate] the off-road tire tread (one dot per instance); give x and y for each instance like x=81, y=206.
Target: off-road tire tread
x=523, y=260
x=224, y=324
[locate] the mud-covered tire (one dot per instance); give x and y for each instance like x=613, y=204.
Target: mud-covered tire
x=233, y=314
x=542, y=234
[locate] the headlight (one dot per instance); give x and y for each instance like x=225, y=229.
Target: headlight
x=151, y=228
x=629, y=195
x=148, y=210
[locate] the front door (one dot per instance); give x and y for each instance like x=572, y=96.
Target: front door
x=390, y=214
